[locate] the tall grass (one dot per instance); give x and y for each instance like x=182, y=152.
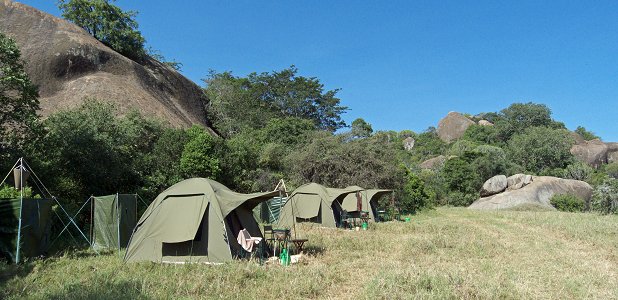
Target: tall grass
x=443, y=253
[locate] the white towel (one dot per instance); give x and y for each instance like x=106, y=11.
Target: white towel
x=246, y=241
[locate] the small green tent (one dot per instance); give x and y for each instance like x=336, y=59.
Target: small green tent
x=368, y=200
x=314, y=203
x=113, y=220
x=35, y=227
x=195, y=220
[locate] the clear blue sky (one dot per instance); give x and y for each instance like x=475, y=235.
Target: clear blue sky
x=406, y=64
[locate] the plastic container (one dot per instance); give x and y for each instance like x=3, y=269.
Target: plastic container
x=407, y=219
x=365, y=225
x=284, y=257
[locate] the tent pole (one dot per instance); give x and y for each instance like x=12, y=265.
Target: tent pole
x=21, y=206
x=118, y=220
x=91, y=221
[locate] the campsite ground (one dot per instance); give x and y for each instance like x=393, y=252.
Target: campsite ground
x=443, y=253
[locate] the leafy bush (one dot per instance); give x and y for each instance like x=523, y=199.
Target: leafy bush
x=567, y=202
x=578, y=171
x=541, y=148
x=414, y=195
x=605, y=197
x=587, y=135
x=460, y=199
x=612, y=170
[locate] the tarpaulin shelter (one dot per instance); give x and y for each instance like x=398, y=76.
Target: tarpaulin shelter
x=36, y=215
x=26, y=221
x=268, y=211
x=113, y=220
x=313, y=203
x=363, y=200
x=195, y=220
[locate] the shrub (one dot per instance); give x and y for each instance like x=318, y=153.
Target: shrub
x=567, y=202
x=605, y=197
x=460, y=199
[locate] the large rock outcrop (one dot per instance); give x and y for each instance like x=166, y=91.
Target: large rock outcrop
x=433, y=163
x=453, y=126
x=494, y=185
x=518, y=181
x=537, y=193
x=69, y=65
x=593, y=152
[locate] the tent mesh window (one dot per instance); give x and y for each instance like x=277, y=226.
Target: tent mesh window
x=36, y=227
x=114, y=218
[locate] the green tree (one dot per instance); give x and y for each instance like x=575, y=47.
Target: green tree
x=587, y=135
x=238, y=103
x=414, y=195
x=605, y=197
x=108, y=23
x=520, y=116
x=361, y=129
x=540, y=149
x=199, y=156
x=18, y=101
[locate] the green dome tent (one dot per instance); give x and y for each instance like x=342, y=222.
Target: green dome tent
x=368, y=199
x=314, y=203
x=195, y=220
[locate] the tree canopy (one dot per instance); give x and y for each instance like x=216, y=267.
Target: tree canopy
x=108, y=23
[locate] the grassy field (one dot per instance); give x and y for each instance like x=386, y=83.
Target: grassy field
x=443, y=253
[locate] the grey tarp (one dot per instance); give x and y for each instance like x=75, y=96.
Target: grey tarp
x=314, y=203
x=368, y=200
x=195, y=220
x=35, y=231
x=114, y=218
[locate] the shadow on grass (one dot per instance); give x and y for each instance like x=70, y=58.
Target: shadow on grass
x=8, y=271
x=314, y=250
x=116, y=290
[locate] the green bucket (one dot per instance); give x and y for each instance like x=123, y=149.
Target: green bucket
x=407, y=219
x=365, y=225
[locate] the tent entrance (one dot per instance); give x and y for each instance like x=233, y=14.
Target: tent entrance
x=198, y=246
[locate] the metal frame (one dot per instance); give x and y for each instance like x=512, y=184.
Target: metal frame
x=23, y=165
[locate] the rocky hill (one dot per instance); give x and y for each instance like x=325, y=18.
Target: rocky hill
x=69, y=65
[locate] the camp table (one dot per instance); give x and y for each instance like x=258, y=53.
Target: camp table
x=299, y=243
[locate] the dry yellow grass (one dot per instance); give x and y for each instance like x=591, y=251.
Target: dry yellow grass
x=443, y=253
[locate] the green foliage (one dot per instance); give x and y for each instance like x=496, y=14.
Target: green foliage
x=10, y=192
x=479, y=134
x=612, y=170
x=361, y=129
x=108, y=23
x=18, y=101
x=158, y=56
x=460, y=147
x=539, y=149
x=567, y=202
x=460, y=176
x=240, y=103
x=90, y=150
x=605, y=197
x=579, y=171
x=587, y=135
x=520, y=116
x=414, y=196
x=457, y=198
x=427, y=145
x=199, y=157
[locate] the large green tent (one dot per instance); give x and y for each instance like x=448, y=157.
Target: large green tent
x=368, y=200
x=195, y=220
x=113, y=220
x=36, y=215
x=314, y=203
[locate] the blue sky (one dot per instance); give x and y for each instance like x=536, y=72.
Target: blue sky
x=406, y=64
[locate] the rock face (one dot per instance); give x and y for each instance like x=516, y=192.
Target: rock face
x=537, y=193
x=518, y=181
x=453, y=126
x=485, y=123
x=593, y=152
x=494, y=185
x=69, y=65
x=433, y=163
x=408, y=143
